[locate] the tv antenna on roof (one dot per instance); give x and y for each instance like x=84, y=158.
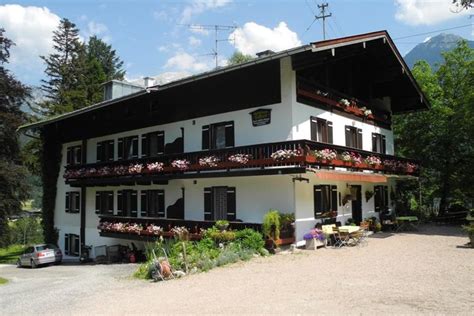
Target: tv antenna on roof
x=216, y=28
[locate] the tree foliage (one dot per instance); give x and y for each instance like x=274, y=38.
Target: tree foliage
x=465, y=4
x=238, y=58
x=443, y=136
x=13, y=188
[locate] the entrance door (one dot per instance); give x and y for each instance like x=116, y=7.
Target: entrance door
x=357, y=204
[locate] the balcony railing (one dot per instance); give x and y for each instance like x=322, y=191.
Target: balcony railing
x=299, y=153
x=152, y=228
x=341, y=102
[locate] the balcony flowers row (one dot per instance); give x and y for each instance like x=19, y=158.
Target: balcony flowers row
x=130, y=228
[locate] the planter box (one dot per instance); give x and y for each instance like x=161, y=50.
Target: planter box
x=314, y=244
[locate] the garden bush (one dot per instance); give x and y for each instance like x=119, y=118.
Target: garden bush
x=271, y=222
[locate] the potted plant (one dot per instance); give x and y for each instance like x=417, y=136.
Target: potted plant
x=271, y=229
x=315, y=239
x=287, y=228
x=222, y=225
x=469, y=229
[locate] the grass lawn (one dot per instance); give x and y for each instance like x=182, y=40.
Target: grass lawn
x=10, y=254
x=3, y=281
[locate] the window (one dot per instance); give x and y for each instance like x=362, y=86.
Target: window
x=381, y=197
x=153, y=144
x=325, y=199
x=219, y=203
x=73, y=202
x=127, y=203
x=127, y=148
x=74, y=155
x=105, y=151
x=353, y=137
x=220, y=135
x=152, y=203
x=378, y=143
x=321, y=130
x=104, y=202
x=71, y=245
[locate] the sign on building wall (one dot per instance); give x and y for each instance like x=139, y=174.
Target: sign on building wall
x=261, y=117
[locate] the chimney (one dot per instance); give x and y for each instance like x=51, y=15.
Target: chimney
x=265, y=53
x=148, y=81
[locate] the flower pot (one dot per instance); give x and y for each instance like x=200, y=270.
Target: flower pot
x=314, y=244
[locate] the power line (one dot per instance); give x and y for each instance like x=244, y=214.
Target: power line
x=436, y=31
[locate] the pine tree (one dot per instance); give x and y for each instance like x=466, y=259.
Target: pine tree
x=13, y=188
x=107, y=58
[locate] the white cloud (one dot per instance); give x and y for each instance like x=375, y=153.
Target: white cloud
x=193, y=41
x=196, y=7
x=183, y=61
x=426, y=12
x=31, y=28
x=253, y=38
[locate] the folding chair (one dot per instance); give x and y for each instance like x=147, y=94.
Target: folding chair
x=341, y=238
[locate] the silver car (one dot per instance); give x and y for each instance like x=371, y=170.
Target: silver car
x=40, y=254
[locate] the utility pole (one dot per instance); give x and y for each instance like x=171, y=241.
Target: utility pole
x=322, y=8
x=216, y=29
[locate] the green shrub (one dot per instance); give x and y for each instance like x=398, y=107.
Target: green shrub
x=286, y=219
x=250, y=239
x=227, y=256
x=219, y=236
x=271, y=222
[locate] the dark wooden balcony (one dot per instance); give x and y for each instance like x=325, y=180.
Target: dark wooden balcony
x=329, y=99
x=269, y=158
x=107, y=229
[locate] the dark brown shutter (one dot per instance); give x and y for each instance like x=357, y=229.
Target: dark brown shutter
x=133, y=203
x=160, y=139
x=120, y=203
x=314, y=128
x=334, y=198
x=229, y=134
x=161, y=203
x=359, y=138
x=110, y=150
x=374, y=142
x=66, y=244
x=120, y=146
x=100, y=152
x=318, y=198
x=330, y=137
x=231, y=204
x=208, y=205
x=385, y=195
x=205, y=137
x=79, y=155
x=377, y=198
x=144, y=203
x=145, y=148
x=77, y=198
x=384, y=145
x=134, y=146
x=348, y=137
x=97, y=203
x=110, y=201
x=69, y=160
x=68, y=202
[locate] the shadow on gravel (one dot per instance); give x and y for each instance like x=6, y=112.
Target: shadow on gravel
x=440, y=230
x=381, y=235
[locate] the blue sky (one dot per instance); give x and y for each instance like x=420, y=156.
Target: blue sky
x=151, y=37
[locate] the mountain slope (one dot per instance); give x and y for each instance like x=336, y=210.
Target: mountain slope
x=431, y=50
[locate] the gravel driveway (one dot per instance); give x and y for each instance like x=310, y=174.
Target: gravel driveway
x=410, y=273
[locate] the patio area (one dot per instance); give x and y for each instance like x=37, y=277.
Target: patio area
x=423, y=272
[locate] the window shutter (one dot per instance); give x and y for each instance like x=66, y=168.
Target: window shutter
x=100, y=152
x=120, y=203
x=205, y=137
x=160, y=138
x=135, y=147
x=208, y=205
x=68, y=202
x=384, y=145
x=77, y=197
x=334, y=198
x=314, y=128
x=69, y=156
x=231, y=204
x=348, y=137
x=133, y=204
x=144, y=204
x=66, y=244
x=330, y=138
x=145, y=148
x=120, y=149
x=229, y=134
x=359, y=138
x=318, y=198
x=110, y=202
x=97, y=203
x=377, y=198
x=385, y=195
x=374, y=142
x=79, y=159
x=161, y=203
x=110, y=150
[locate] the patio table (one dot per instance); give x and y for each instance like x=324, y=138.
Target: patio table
x=407, y=223
x=349, y=229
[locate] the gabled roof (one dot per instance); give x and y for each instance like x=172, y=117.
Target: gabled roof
x=313, y=47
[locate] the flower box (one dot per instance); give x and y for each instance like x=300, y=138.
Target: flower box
x=314, y=244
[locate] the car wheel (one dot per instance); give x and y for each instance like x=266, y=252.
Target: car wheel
x=18, y=263
x=33, y=264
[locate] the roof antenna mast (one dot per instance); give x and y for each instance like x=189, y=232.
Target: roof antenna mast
x=216, y=28
x=322, y=8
